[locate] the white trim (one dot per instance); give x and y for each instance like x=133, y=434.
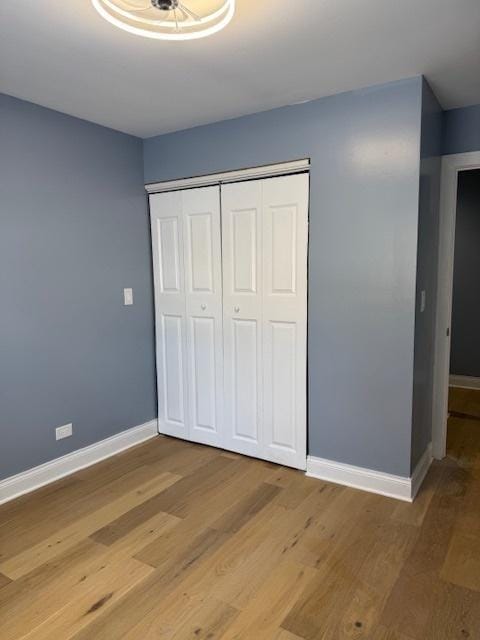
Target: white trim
x=385, y=484
x=464, y=382
x=451, y=165
x=266, y=171
x=37, y=477
x=421, y=470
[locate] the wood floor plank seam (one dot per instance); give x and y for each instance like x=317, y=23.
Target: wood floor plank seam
x=40, y=553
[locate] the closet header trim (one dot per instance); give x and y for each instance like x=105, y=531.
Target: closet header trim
x=266, y=171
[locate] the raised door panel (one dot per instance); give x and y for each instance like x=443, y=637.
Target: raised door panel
x=170, y=313
x=282, y=233
x=201, y=211
x=200, y=252
x=242, y=313
x=169, y=259
x=173, y=369
x=280, y=390
x=203, y=369
x=244, y=251
x=245, y=382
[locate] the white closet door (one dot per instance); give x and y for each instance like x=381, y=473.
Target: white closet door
x=265, y=235
x=203, y=286
x=285, y=233
x=188, y=300
x=242, y=316
x=170, y=313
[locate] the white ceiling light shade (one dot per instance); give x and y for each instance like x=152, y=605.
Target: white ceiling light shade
x=168, y=19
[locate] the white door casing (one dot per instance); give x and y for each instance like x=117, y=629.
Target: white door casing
x=188, y=302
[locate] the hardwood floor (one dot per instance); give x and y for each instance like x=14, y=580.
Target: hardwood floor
x=174, y=541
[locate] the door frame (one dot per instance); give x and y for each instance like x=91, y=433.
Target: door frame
x=451, y=166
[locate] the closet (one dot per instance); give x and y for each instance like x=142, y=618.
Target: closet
x=230, y=274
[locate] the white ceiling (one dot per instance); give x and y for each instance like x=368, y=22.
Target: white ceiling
x=61, y=54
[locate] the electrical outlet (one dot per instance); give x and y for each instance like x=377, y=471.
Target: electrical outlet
x=128, y=297
x=63, y=432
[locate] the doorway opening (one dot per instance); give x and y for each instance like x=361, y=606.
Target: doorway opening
x=456, y=419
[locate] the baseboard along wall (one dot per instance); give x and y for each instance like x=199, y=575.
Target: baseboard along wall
x=464, y=382
x=386, y=484
x=399, y=487
x=37, y=477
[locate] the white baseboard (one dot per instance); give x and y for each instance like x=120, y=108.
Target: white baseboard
x=421, y=470
x=37, y=477
x=386, y=484
x=464, y=382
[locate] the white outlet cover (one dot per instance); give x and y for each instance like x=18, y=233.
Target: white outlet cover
x=64, y=431
x=127, y=297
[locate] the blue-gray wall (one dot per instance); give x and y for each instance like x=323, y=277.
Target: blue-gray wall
x=461, y=130
x=73, y=233
x=465, y=349
x=365, y=152
x=427, y=258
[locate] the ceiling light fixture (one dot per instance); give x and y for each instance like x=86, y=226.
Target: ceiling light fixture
x=167, y=19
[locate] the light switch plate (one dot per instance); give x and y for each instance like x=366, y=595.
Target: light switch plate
x=128, y=297
x=63, y=432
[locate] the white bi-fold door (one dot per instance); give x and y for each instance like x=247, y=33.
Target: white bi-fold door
x=231, y=315
x=264, y=239
x=188, y=305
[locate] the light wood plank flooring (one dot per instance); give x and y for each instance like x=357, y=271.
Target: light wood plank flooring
x=171, y=541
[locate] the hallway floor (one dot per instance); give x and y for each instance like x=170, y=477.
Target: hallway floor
x=173, y=541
